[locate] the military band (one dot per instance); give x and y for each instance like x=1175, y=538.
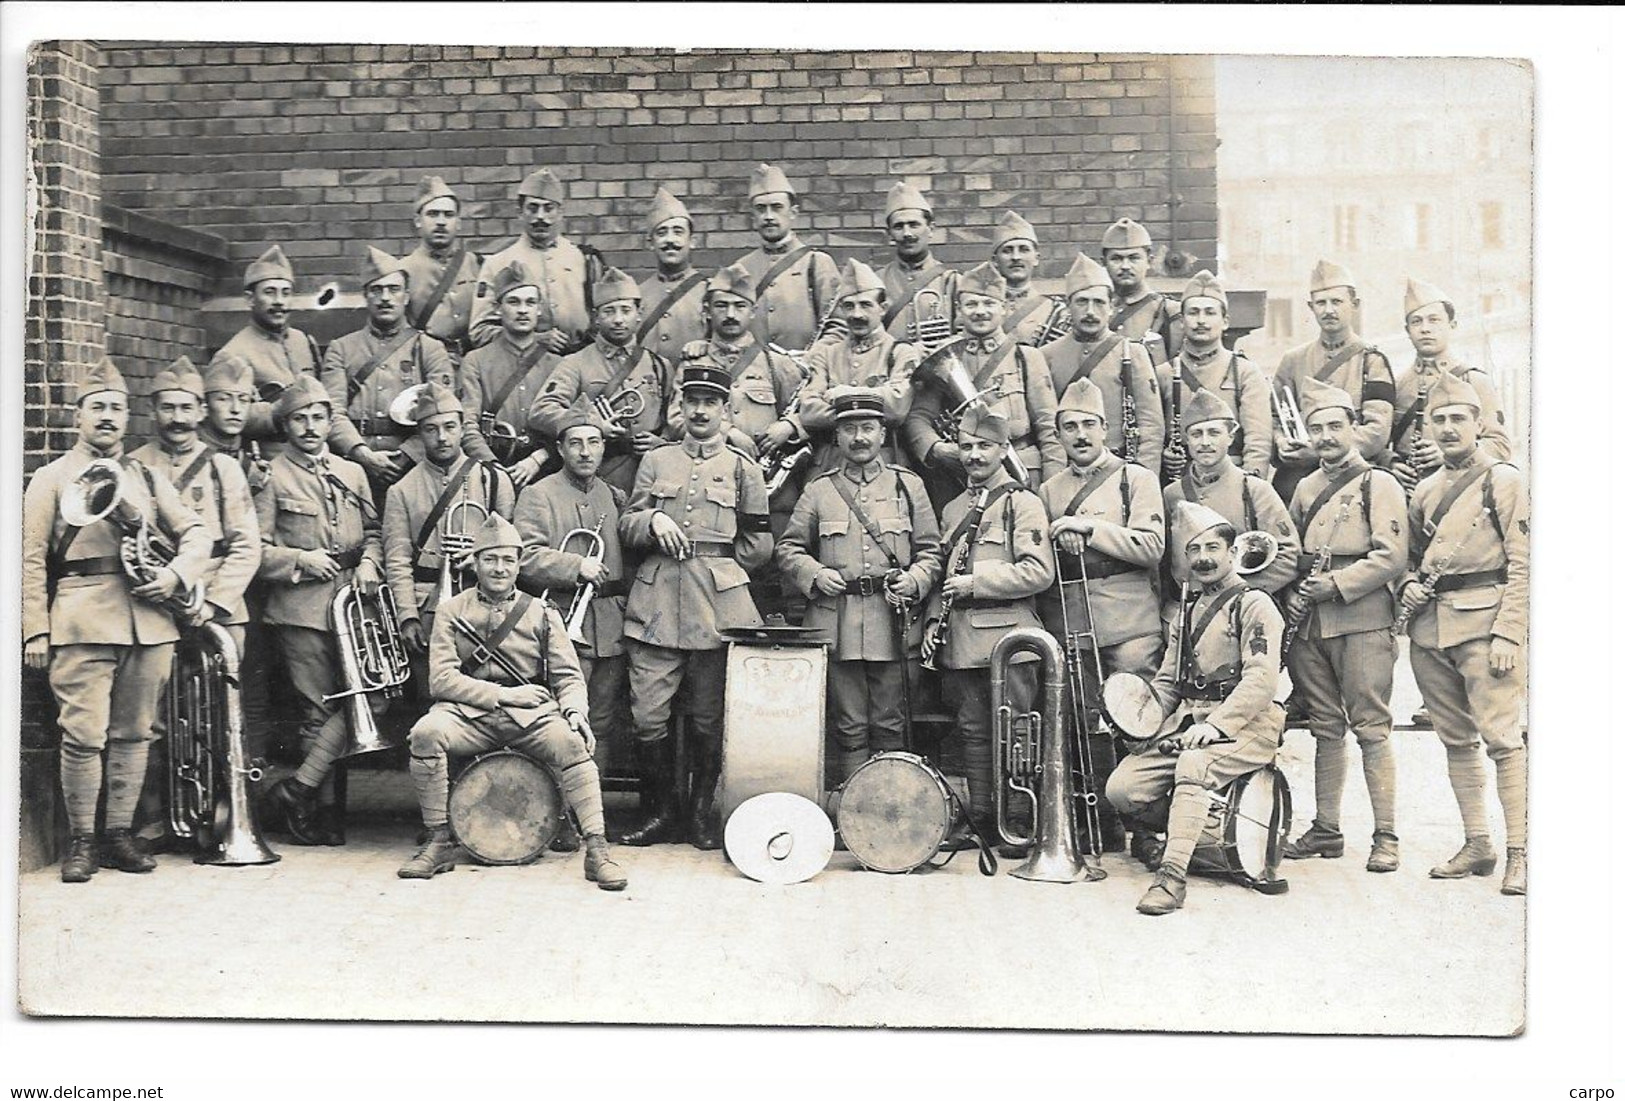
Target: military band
x=542, y=496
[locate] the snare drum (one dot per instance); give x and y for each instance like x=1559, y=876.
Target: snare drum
x=1246, y=826
x=1132, y=708
x=504, y=808
x=895, y=812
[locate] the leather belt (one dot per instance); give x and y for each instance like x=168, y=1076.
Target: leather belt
x=347, y=560
x=1306, y=561
x=426, y=574
x=1102, y=567
x=867, y=586
x=92, y=567
x=1450, y=582
x=380, y=426
x=981, y=603
x=703, y=548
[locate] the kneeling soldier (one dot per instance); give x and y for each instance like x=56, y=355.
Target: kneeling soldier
x=856, y=533
x=1216, y=687
x=503, y=673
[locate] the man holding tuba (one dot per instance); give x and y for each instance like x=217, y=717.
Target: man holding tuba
x=320, y=532
x=920, y=289
x=95, y=625
x=1216, y=688
x=503, y=377
x=430, y=517
x=1107, y=525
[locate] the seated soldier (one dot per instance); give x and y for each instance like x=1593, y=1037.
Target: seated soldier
x=1217, y=697
x=503, y=673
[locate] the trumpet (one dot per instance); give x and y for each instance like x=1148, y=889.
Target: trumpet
x=101, y=493
x=1254, y=551
x=1058, y=321
x=575, y=620
x=930, y=326
x=455, y=538
x=372, y=661
x=1290, y=415
x=506, y=442
x=622, y=409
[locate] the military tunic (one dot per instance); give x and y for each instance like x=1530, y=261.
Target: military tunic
x=905, y=281
x=251, y=457
x=412, y=558
x=484, y=374
x=881, y=363
x=1238, y=383
x=789, y=309
x=1033, y=319
x=1154, y=315
x=682, y=323
x=564, y=273
x=584, y=375
x=1410, y=415
x=277, y=359
x=361, y=411
x=1250, y=504
x=1107, y=362
x=1364, y=374
x=449, y=321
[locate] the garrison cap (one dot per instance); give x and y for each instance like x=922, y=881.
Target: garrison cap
x=856, y=403
x=1083, y=396
x=1327, y=274
x=541, y=184
x=1205, y=405
x=703, y=376
x=180, y=375
x=1419, y=293
x=857, y=278
x=431, y=188
x=512, y=278
x=1084, y=273
x=1453, y=390
x=377, y=265
x=615, y=286
x=663, y=208
x=984, y=278
x=734, y=280
x=271, y=264
x=576, y=417
x=302, y=391
x=1191, y=519
x=1204, y=285
x=228, y=374
x=1013, y=227
x=496, y=532
x=1314, y=395
x=765, y=179
x=905, y=196
x=1125, y=233
x=103, y=376
x=983, y=423
x=434, y=398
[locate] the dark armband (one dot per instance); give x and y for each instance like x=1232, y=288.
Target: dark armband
x=754, y=522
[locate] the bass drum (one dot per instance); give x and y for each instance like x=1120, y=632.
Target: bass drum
x=1246, y=828
x=504, y=808
x=895, y=812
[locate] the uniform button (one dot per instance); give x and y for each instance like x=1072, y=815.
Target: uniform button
x=689, y=508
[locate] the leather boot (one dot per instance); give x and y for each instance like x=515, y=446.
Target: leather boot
x=297, y=805
x=1476, y=857
x=1317, y=840
x=1165, y=895
x=600, y=867
x=1517, y=877
x=567, y=840
x=1384, y=853
x=703, y=830
x=654, y=760
x=80, y=863
x=121, y=851
x=438, y=854
x=1146, y=847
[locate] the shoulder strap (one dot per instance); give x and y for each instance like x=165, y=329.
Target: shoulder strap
x=868, y=522
x=531, y=356
x=184, y=478
x=454, y=267
x=453, y=486
x=1091, y=482
x=1454, y=493
x=1329, y=368
x=360, y=377
x=1328, y=493
x=1402, y=424
x=1095, y=357
x=926, y=278
x=1014, y=321
x=973, y=519
x=996, y=360
x=489, y=644
x=1220, y=604
x=634, y=356
x=784, y=264
x=666, y=305
x=745, y=359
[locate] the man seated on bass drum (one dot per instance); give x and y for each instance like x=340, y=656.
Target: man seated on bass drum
x=1220, y=721
x=503, y=672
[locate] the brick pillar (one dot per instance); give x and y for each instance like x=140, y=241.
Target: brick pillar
x=63, y=333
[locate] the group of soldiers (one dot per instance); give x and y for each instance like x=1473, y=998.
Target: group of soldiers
x=1111, y=436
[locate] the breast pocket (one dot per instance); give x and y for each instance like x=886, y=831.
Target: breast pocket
x=895, y=531
x=990, y=544
x=1012, y=402
x=723, y=497
x=754, y=406
x=299, y=523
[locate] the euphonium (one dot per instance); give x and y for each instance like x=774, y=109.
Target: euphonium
x=455, y=538
x=208, y=764
x=372, y=661
x=575, y=620
x=1030, y=763
x=1254, y=551
x=98, y=493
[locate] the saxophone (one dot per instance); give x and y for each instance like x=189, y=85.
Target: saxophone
x=937, y=630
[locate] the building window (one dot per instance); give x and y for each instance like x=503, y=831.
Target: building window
x=1345, y=227
x=1489, y=224
x=1278, y=318
x=1419, y=227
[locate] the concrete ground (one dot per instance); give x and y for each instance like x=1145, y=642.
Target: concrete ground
x=332, y=933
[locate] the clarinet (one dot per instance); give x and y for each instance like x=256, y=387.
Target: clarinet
x=937, y=636
x=1131, y=415
x=1322, y=563
x=1430, y=581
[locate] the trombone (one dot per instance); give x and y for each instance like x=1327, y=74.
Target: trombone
x=575, y=620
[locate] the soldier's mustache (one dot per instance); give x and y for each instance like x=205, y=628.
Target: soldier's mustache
x=1204, y=565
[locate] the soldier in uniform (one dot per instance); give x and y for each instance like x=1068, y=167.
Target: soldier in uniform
x=1340, y=358
x=699, y=514
x=793, y=284
x=1106, y=524
x=365, y=371
x=1467, y=593
x=576, y=498
x=1115, y=364
x=320, y=532
x=674, y=296
x=515, y=683
x=868, y=356
x=856, y=533
x=1030, y=318
x=563, y=271
x=1430, y=322
x=909, y=224
x=102, y=637
x=1204, y=363
x=1342, y=652
x=1138, y=312
x=995, y=559
x=442, y=271
x=424, y=520
x=502, y=379
x=276, y=352
x=1016, y=380
x=1247, y=501
x=1216, y=686
x=614, y=364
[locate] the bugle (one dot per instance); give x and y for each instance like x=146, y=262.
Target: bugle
x=575, y=620
x=1254, y=551
x=1289, y=414
x=506, y=442
x=621, y=409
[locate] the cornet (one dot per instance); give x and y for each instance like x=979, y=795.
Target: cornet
x=575, y=620
x=506, y=442
x=1056, y=324
x=622, y=409
x=455, y=538
x=930, y=327
x=99, y=493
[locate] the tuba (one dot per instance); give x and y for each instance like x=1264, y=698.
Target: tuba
x=454, y=532
x=575, y=620
x=372, y=661
x=1254, y=551
x=209, y=768
x=1030, y=765
x=947, y=372
x=100, y=493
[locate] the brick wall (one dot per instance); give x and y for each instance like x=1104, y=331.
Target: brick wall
x=322, y=146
